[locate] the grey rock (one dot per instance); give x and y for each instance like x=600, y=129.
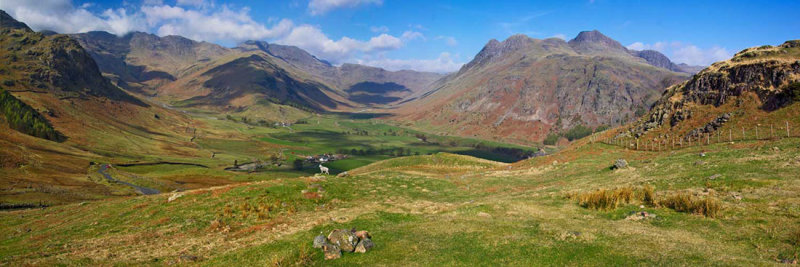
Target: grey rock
x=620, y=164
x=319, y=241
x=364, y=245
x=715, y=176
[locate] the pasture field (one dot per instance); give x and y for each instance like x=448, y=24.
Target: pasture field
x=448, y=209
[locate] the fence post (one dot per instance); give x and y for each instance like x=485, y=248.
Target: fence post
x=718, y=136
x=787, y=129
x=756, y=132
x=743, y=136
x=771, y=131
x=708, y=139
x=637, y=143
x=730, y=135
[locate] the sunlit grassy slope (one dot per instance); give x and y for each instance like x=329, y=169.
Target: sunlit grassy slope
x=446, y=209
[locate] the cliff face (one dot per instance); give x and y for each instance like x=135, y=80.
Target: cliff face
x=766, y=73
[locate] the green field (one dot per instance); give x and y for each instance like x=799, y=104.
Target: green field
x=446, y=209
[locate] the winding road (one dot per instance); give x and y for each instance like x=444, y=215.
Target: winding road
x=142, y=190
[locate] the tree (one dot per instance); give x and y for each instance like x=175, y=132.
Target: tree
x=298, y=164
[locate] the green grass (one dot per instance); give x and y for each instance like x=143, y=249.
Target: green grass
x=444, y=209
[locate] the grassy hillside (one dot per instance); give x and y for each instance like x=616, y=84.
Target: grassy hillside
x=460, y=212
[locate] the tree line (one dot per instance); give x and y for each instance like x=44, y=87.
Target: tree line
x=25, y=119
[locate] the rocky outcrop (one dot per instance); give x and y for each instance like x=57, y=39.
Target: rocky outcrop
x=766, y=72
x=54, y=63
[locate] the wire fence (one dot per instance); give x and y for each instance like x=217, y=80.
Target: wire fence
x=726, y=135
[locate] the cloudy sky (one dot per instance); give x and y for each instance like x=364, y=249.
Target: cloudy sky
x=429, y=35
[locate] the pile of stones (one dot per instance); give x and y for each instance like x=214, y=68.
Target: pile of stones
x=343, y=240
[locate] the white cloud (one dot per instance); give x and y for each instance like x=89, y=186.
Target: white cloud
x=220, y=25
x=379, y=29
x=559, y=36
x=443, y=64
x=411, y=35
x=319, y=7
x=449, y=40
x=313, y=40
x=693, y=55
x=203, y=21
x=64, y=17
x=685, y=53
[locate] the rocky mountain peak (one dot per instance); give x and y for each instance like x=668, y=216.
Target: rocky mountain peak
x=591, y=41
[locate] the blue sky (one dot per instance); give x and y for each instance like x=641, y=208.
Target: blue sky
x=430, y=35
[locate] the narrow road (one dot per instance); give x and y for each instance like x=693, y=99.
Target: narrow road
x=142, y=190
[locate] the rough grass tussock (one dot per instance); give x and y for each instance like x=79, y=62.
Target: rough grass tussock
x=684, y=202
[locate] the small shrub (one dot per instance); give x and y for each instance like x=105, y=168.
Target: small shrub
x=684, y=202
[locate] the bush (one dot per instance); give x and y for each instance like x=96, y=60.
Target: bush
x=551, y=139
x=684, y=202
x=578, y=132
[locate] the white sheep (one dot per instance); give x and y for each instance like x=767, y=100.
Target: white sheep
x=323, y=169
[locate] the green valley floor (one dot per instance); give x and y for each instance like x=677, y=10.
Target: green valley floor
x=447, y=209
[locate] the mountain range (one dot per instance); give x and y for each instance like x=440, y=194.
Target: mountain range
x=524, y=89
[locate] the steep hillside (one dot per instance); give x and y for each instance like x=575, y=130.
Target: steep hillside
x=523, y=89
x=142, y=62
x=352, y=78
x=52, y=88
x=758, y=86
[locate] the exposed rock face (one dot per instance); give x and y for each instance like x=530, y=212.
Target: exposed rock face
x=711, y=126
x=767, y=73
x=523, y=89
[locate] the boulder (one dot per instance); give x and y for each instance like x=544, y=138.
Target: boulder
x=331, y=251
x=319, y=241
x=364, y=245
x=342, y=175
x=715, y=176
x=620, y=164
x=346, y=240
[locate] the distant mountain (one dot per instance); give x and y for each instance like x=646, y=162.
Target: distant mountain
x=523, y=89
x=351, y=77
x=176, y=69
x=758, y=86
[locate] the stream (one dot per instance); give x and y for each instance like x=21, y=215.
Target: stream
x=142, y=190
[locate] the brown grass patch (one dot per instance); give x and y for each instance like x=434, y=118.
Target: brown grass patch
x=603, y=199
x=684, y=202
